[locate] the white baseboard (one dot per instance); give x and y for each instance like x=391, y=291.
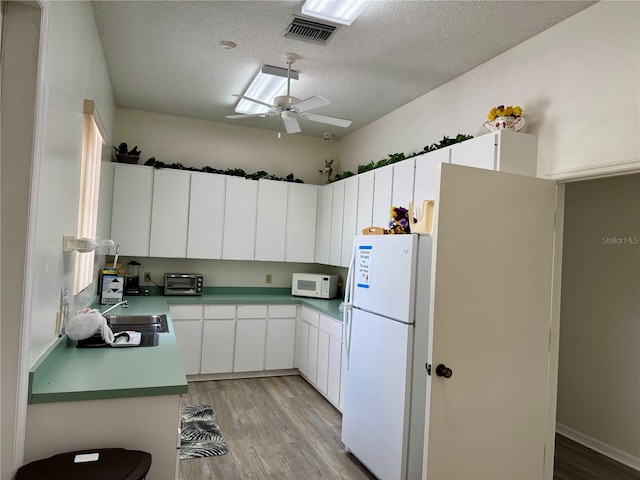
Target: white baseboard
x=600, y=447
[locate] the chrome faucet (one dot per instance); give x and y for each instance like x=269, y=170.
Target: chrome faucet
x=123, y=303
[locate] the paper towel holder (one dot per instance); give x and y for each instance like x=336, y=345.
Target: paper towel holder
x=84, y=244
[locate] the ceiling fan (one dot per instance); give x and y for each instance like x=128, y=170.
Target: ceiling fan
x=288, y=108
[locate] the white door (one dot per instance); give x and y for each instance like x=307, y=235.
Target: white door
x=131, y=214
x=490, y=324
x=384, y=267
x=349, y=219
x=206, y=216
x=250, y=344
x=301, y=223
x=189, y=337
x=479, y=152
x=240, y=209
x=403, y=177
x=271, y=220
x=382, y=189
x=375, y=425
x=323, y=224
x=365, y=201
x=337, y=215
x=170, y=213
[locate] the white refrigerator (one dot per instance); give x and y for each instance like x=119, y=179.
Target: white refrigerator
x=386, y=333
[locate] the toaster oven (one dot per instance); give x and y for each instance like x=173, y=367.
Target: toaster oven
x=183, y=283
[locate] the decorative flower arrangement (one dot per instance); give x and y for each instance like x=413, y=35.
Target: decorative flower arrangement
x=502, y=111
x=399, y=222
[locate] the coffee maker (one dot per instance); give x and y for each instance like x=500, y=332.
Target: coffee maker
x=132, y=278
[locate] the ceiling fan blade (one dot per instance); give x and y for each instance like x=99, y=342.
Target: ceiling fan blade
x=259, y=102
x=338, y=122
x=311, y=103
x=242, y=115
x=291, y=125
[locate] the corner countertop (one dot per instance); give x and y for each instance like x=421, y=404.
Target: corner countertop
x=67, y=373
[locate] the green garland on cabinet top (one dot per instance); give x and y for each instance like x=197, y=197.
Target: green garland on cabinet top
x=235, y=172
x=397, y=157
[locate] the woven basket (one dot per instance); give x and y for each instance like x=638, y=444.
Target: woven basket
x=123, y=158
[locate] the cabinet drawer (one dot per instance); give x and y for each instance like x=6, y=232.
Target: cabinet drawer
x=282, y=311
x=252, y=311
x=219, y=311
x=310, y=316
x=185, y=312
x=331, y=326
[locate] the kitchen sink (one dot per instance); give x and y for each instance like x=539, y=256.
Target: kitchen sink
x=139, y=323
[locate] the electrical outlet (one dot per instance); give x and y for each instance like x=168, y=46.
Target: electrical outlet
x=147, y=277
x=268, y=279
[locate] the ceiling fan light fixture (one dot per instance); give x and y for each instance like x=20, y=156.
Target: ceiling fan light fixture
x=270, y=82
x=343, y=12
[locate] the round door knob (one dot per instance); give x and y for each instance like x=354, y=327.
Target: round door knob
x=443, y=371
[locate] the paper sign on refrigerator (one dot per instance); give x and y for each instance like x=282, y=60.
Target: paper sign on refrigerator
x=363, y=279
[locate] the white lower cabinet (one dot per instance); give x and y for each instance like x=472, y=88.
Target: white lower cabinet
x=302, y=347
x=218, y=338
x=281, y=337
x=312, y=355
x=187, y=325
x=251, y=332
x=250, y=346
x=330, y=358
x=225, y=339
x=228, y=339
x=334, y=376
x=319, y=343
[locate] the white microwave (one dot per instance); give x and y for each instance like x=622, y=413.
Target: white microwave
x=316, y=285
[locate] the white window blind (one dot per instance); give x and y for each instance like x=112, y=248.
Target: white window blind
x=93, y=138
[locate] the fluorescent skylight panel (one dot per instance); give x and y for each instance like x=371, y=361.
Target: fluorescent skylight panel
x=343, y=12
x=268, y=84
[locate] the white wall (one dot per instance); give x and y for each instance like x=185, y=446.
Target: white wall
x=75, y=70
x=19, y=72
x=198, y=143
x=232, y=273
x=599, y=367
x=578, y=83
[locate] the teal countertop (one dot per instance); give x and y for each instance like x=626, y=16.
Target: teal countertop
x=67, y=373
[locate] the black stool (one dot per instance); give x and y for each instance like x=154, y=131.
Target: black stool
x=100, y=464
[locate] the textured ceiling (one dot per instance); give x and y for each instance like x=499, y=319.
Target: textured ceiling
x=163, y=56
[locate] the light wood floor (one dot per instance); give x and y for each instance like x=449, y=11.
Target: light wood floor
x=281, y=428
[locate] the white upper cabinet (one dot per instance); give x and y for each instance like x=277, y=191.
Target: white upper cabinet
x=335, y=242
x=272, y=220
x=425, y=175
x=206, y=216
x=350, y=216
x=504, y=151
x=301, y=223
x=170, y=213
x=365, y=201
x=382, y=190
x=131, y=211
x=323, y=224
x=402, y=192
x=240, y=219
x=479, y=152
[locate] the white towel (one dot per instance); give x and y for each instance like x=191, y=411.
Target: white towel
x=86, y=323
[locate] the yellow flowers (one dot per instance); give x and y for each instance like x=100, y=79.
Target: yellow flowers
x=502, y=111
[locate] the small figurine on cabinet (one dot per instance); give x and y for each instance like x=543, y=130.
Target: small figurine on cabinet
x=327, y=171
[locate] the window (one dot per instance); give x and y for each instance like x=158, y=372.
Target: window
x=93, y=139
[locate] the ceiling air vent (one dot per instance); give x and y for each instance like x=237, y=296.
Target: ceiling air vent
x=309, y=31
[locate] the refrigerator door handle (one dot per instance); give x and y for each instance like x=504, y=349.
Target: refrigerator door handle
x=348, y=307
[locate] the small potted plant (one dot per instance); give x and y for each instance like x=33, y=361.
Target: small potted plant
x=505, y=118
x=124, y=155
